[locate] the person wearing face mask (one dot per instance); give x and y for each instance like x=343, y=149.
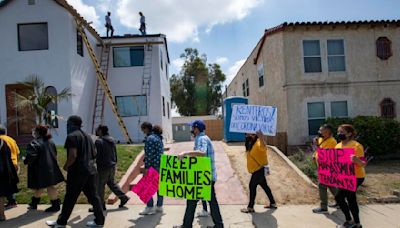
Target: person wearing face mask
x=346, y=134
x=43, y=169
x=82, y=174
x=256, y=153
x=325, y=140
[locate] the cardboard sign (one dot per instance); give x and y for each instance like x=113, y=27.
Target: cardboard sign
x=147, y=186
x=251, y=118
x=336, y=169
x=189, y=178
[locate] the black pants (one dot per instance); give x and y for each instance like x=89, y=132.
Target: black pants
x=106, y=176
x=76, y=183
x=258, y=178
x=110, y=28
x=191, y=209
x=351, y=205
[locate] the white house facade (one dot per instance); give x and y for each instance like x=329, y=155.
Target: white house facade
x=41, y=38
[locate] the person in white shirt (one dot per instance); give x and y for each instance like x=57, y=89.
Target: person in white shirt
x=109, y=25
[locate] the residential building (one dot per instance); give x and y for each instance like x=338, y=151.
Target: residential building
x=42, y=38
x=314, y=70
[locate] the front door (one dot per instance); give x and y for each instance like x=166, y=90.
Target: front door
x=20, y=121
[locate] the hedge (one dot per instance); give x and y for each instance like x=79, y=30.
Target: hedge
x=380, y=135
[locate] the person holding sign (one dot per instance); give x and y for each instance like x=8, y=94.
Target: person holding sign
x=202, y=147
x=325, y=140
x=256, y=152
x=346, y=134
x=153, y=149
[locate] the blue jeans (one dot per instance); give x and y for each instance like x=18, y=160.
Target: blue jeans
x=11, y=198
x=160, y=200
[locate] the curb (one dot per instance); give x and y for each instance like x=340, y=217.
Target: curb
x=293, y=166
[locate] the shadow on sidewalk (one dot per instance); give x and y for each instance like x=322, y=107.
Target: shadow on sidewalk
x=264, y=219
x=336, y=216
x=147, y=220
x=25, y=219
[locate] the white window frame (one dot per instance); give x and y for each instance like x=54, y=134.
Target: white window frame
x=327, y=55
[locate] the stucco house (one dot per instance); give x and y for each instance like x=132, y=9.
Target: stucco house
x=40, y=37
x=314, y=70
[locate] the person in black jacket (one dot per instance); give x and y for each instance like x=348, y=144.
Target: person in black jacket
x=82, y=174
x=106, y=165
x=43, y=170
x=8, y=176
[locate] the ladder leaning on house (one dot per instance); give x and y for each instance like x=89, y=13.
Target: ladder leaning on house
x=146, y=78
x=103, y=83
x=98, y=114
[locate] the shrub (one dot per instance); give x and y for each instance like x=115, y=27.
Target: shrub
x=380, y=135
x=305, y=163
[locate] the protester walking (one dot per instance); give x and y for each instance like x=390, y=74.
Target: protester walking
x=257, y=158
x=202, y=147
x=106, y=166
x=346, y=199
x=82, y=174
x=153, y=149
x=142, y=28
x=325, y=140
x=12, y=144
x=8, y=176
x=108, y=24
x=43, y=169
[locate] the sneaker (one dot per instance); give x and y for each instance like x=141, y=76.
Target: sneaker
x=10, y=205
x=124, y=201
x=320, y=210
x=54, y=224
x=147, y=211
x=347, y=224
x=159, y=209
x=203, y=213
x=93, y=224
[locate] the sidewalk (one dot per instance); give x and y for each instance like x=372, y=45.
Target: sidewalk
x=372, y=216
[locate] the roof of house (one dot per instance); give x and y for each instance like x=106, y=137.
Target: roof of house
x=73, y=12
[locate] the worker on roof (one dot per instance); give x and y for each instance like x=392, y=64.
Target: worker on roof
x=108, y=24
x=142, y=28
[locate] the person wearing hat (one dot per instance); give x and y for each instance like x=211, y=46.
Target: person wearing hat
x=82, y=174
x=202, y=147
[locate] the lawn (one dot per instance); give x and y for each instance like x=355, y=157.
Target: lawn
x=382, y=177
x=126, y=155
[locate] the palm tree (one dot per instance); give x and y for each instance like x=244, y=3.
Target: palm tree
x=37, y=99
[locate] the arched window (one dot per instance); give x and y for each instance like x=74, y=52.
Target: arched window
x=50, y=116
x=383, y=48
x=388, y=108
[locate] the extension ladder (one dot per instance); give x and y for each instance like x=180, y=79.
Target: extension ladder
x=103, y=82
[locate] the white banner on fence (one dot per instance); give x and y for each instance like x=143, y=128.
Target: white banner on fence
x=251, y=118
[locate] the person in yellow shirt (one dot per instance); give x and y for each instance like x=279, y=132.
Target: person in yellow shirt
x=14, y=157
x=325, y=140
x=256, y=153
x=346, y=134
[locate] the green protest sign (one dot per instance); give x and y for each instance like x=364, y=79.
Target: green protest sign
x=189, y=178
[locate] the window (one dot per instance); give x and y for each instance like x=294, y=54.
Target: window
x=168, y=110
x=312, y=56
x=31, y=2
x=260, y=72
x=336, y=59
x=163, y=105
x=316, y=116
x=79, y=43
x=383, y=48
x=33, y=37
x=180, y=128
x=161, y=60
x=388, y=108
x=50, y=117
x=339, y=109
x=131, y=105
x=245, y=88
x=128, y=56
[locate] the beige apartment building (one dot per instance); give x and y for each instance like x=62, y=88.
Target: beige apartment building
x=314, y=70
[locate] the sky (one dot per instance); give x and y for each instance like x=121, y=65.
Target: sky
x=225, y=30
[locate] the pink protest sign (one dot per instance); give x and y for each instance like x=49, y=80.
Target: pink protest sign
x=147, y=186
x=336, y=169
